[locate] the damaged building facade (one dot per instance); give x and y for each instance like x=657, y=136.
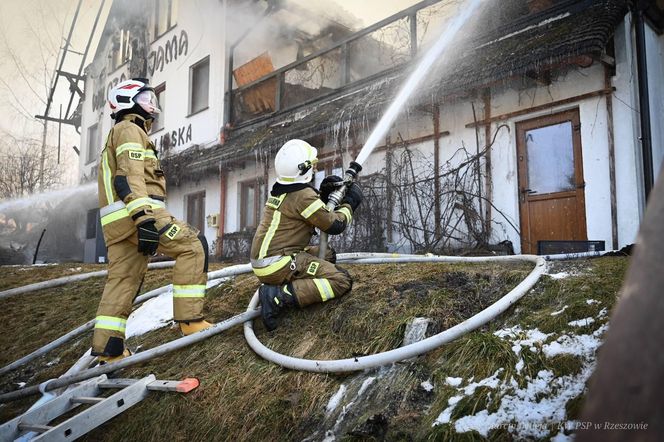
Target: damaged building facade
x=531, y=133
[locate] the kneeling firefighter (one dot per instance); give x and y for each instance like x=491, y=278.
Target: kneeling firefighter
x=290, y=270
x=136, y=224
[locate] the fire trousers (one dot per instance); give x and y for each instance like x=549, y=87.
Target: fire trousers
x=126, y=269
x=312, y=279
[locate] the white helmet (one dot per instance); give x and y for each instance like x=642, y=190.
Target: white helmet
x=295, y=162
x=130, y=92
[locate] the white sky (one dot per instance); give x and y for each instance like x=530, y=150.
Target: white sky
x=31, y=35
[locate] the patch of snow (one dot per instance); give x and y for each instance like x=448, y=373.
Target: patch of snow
x=53, y=362
x=559, y=311
x=427, y=386
x=560, y=275
x=157, y=312
x=602, y=313
x=536, y=415
x=77, y=269
x=454, y=400
x=446, y=415
x=520, y=337
x=540, y=405
x=581, y=322
x=492, y=382
x=335, y=399
x=365, y=385
x=453, y=382
x=592, y=301
x=578, y=345
x=20, y=384
x=154, y=314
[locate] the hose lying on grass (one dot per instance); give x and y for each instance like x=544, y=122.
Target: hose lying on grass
x=353, y=364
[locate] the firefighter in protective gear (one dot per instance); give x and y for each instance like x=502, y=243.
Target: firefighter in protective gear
x=290, y=270
x=136, y=224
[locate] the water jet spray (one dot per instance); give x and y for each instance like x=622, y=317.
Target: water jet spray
x=436, y=50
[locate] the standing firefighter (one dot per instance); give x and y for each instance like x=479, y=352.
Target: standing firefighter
x=136, y=224
x=291, y=272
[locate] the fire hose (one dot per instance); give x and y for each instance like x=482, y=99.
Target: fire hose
x=343, y=365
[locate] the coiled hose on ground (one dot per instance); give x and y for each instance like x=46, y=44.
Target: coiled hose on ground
x=343, y=365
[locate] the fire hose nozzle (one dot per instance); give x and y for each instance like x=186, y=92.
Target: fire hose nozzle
x=354, y=169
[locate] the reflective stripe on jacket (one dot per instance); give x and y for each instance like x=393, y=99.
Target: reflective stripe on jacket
x=130, y=180
x=287, y=226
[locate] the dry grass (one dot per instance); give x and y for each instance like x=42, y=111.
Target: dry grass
x=243, y=397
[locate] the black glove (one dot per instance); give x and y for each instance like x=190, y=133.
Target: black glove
x=329, y=184
x=148, y=238
x=353, y=196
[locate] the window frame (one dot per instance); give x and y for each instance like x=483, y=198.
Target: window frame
x=92, y=144
x=158, y=90
x=188, y=209
x=259, y=196
x=191, y=111
x=171, y=21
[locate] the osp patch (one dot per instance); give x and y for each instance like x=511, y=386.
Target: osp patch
x=313, y=268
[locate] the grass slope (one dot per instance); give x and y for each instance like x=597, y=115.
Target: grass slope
x=243, y=397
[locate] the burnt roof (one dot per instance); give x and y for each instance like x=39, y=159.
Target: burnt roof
x=551, y=39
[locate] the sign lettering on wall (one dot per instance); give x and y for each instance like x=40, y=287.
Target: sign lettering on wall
x=167, y=52
x=175, y=138
x=101, y=93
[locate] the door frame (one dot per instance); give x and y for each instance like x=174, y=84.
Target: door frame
x=573, y=116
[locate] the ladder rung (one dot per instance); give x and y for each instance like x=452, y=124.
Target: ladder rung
x=34, y=427
x=117, y=383
x=183, y=386
x=86, y=400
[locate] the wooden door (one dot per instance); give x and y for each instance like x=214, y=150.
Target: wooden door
x=551, y=186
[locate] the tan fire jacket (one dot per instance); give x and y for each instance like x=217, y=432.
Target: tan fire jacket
x=130, y=180
x=288, y=224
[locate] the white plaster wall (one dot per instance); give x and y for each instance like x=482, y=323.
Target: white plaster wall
x=177, y=197
x=594, y=141
x=655, y=56
x=203, y=22
x=629, y=172
x=250, y=171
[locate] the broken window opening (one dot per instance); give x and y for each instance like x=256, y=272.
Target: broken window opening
x=165, y=16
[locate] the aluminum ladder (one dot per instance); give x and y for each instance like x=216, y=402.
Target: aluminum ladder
x=131, y=392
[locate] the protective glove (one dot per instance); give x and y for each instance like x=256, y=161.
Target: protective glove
x=148, y=238
x=329, y=184
x=353, y=196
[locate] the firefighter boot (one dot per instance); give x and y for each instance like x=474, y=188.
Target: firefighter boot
x=190, y=327
x=274, y=299
x=103, y=360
